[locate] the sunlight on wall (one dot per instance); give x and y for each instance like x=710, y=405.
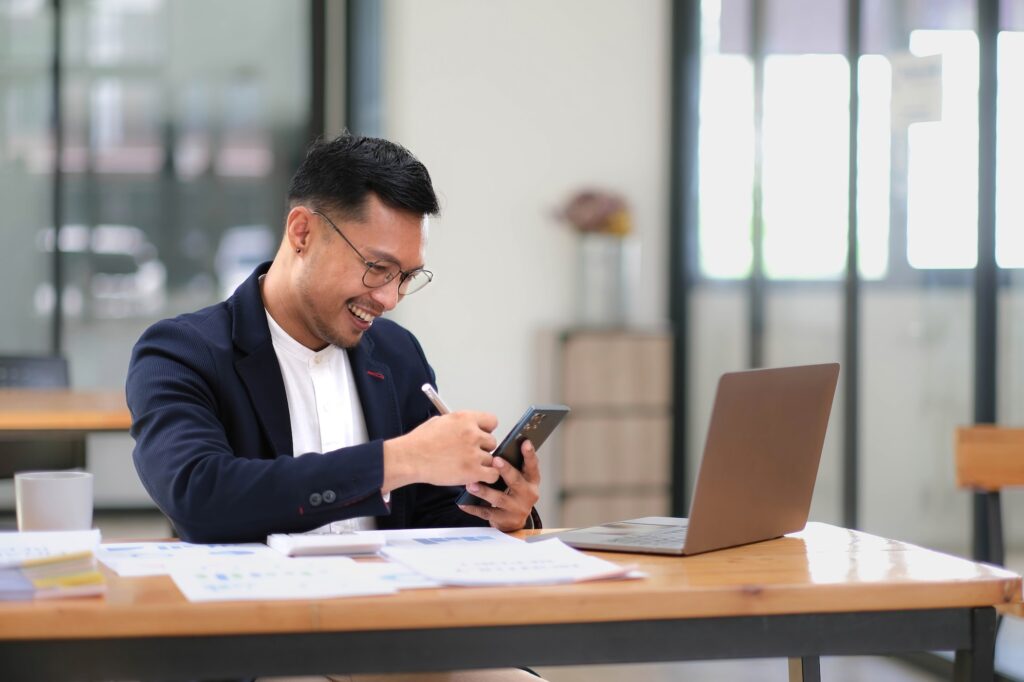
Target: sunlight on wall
x=942, y=173
x=1010, y=156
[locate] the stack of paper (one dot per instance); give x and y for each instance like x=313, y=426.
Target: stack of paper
x=49, y=565
x=542, y=563
x=283, y=578
x=134, y=559
x=321, y=544
x=67, y=575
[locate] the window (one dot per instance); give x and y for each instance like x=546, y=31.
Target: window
x=917, y=157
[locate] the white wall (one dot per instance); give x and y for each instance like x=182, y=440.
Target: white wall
x=513, y=105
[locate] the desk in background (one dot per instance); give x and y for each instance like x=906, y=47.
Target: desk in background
x=823, y=591
x=65, y=415
x=46, y=413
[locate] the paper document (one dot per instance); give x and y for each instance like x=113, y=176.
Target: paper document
x=446, y=537
x=256, y=578
x=540, y=563
x=133, y=559
x=398, y=576
x=320, y=544
x=17, y=547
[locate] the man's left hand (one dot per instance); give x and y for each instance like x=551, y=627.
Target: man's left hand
x=509, y=510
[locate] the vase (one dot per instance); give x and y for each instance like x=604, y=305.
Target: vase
x=607, y=270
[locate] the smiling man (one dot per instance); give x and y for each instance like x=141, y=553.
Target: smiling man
x=294, y=405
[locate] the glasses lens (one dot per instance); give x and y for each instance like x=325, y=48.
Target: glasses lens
x=380, y=273
x=415, y=281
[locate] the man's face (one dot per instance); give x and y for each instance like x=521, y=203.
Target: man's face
x=336, y=305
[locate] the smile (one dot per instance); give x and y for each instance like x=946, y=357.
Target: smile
x=361, y=313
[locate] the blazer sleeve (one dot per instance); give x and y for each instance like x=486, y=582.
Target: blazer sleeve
x=216, y=490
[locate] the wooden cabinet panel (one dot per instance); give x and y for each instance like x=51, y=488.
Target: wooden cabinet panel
x=590, y=510
x=619, y=451
x=616, y=443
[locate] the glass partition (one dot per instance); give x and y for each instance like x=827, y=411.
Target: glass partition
x=917, y=335
x=26, y=159
x=181, y=131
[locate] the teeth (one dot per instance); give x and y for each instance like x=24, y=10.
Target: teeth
x=361, y=314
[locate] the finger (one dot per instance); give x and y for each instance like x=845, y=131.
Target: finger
x=477, y=511
x=531, y=463
x=506, y=520
x=485, y=474
x=485, y=420
x=497, y=498
x=487, y=442
x=513, y=479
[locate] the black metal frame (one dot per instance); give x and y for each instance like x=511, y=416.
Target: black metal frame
x=363, y=90
x=57, y=191
x=851, y=303
x=986, y=284
x=318, y=68
x=683, y=219
x=968, y=631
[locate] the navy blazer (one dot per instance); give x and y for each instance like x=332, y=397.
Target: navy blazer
x=213, y=442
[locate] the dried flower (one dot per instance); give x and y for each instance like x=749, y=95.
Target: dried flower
x=598, y=211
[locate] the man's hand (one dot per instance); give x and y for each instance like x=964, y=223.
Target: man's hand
x=510, y=509
x=454, y=449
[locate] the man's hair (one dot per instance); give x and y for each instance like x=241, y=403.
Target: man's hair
x=338, y=175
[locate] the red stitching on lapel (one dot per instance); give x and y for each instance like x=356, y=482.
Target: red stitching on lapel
x=375, y=375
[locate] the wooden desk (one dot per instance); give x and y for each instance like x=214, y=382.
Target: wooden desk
x=30, y=413
x=824, y=591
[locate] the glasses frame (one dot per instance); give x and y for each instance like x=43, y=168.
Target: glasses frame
x=402, y=275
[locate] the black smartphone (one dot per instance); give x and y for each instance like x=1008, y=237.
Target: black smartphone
x=536, y=424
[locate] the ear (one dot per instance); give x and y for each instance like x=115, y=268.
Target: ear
x=298, y=228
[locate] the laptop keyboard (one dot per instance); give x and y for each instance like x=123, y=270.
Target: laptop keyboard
x=672, y=536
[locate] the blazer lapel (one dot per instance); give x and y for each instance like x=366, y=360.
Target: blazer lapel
x=262, y=378
x=376, y=392
x=256, y=363
x=379, y=399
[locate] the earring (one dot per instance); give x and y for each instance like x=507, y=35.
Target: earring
x=298, y=250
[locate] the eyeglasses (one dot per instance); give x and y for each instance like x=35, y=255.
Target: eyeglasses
x=381, y=272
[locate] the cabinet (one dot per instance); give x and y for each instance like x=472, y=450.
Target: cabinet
x=616, y=443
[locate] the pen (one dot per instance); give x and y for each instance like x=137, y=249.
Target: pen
x=435, y=398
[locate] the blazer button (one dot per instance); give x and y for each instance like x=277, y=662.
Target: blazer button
x=315, y=499
x=329, y=496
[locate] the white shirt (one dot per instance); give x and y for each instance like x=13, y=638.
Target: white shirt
x=323, y=405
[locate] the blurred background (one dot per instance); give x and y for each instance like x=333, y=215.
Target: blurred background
x=636, y=197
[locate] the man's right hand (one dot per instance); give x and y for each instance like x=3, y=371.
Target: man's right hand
x=454, y=449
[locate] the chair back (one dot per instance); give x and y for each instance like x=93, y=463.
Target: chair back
x=989, y=457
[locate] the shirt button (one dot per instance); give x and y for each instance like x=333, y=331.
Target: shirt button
x=329, y=496
x=315, y=499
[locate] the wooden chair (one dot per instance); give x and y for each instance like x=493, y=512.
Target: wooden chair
x=26, y=455
x=988, y=459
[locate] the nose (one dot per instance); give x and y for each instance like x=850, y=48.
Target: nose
x=387, y=296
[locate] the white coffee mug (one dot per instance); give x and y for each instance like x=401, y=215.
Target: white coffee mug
x=53, y=500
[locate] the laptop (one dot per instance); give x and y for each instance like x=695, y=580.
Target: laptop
x=757, y=476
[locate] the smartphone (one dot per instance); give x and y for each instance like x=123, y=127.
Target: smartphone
x=536, y=424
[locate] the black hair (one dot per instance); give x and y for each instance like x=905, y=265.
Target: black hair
x=338, y=175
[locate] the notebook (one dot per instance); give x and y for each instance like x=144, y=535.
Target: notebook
x=757, y=475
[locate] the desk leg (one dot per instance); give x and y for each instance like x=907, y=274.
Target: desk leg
x=977, y=664
x=805, y=669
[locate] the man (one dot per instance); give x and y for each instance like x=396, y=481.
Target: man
x=299, y=362
x=293, y=405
